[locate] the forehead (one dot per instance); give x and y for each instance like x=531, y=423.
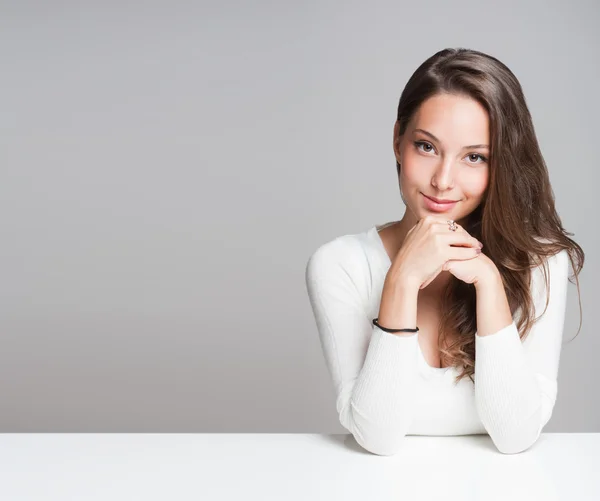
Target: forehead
x=452, y=118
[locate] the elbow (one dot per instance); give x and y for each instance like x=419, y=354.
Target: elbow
x=515, y=436
x=513, y=447
x=516, y=442
x=381, y=443
x=384, y=435
x=382, y=439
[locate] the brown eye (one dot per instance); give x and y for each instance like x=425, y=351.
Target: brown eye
x=476, y=156
x=423, y=143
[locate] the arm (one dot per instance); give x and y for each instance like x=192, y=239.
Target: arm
x=516, y=382
x=372, y=370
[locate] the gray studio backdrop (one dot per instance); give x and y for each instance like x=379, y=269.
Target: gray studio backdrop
x=167, y=170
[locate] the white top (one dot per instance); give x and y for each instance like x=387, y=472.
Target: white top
x=384, y=387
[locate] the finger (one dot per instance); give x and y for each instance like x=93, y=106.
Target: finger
x=441, y=219
x=458, y=237
x=463, y=240
x=430, y=219
x=464, y=253
x=445, y=223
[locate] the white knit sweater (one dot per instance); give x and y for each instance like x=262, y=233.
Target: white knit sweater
x=384, y=387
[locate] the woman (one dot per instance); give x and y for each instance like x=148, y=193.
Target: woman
x=403, y=309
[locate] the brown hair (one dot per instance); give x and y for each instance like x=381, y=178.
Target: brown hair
x=517, y=210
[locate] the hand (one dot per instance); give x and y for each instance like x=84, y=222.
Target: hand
x=471, y=271
x=428, y=246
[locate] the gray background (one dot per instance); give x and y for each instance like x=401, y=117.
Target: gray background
x=168, y=169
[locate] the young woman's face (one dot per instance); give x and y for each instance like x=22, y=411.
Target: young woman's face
x=443, y=154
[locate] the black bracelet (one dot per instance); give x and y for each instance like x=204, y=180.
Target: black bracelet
x=375, y=322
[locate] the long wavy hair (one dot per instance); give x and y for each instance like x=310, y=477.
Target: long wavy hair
x=517, y=219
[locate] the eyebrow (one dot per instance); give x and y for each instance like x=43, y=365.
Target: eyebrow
x=464, y=147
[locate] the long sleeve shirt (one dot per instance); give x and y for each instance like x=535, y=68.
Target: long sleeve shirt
x=384, y=387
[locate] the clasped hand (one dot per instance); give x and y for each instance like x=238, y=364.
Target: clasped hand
x=430, y=247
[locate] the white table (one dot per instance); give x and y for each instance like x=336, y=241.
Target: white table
x=290, y=467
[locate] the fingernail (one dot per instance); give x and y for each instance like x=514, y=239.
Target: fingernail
x=478, y=251
x=480, y=245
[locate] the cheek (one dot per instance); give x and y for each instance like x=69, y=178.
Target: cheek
x=475, y=184
x=413, y=169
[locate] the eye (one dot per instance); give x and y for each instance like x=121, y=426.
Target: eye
x=423, y=143
x=477, y=155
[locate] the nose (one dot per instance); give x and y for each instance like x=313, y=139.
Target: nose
x=443, y=177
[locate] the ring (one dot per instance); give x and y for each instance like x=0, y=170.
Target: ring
x=451, y=225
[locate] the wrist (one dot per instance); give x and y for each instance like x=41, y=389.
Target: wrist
x=402, y=283
x=493, y=279
x=398, y=307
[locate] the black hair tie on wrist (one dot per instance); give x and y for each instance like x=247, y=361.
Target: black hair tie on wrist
x=375, y=322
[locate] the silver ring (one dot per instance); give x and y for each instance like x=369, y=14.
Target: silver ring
x=452, y=225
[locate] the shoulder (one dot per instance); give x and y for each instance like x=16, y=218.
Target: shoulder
x=334, y=256
x=348, y=262
x=551, y=264
x=549, y=278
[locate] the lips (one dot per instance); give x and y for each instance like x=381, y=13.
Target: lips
x=441, y=200
x=434, y=206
